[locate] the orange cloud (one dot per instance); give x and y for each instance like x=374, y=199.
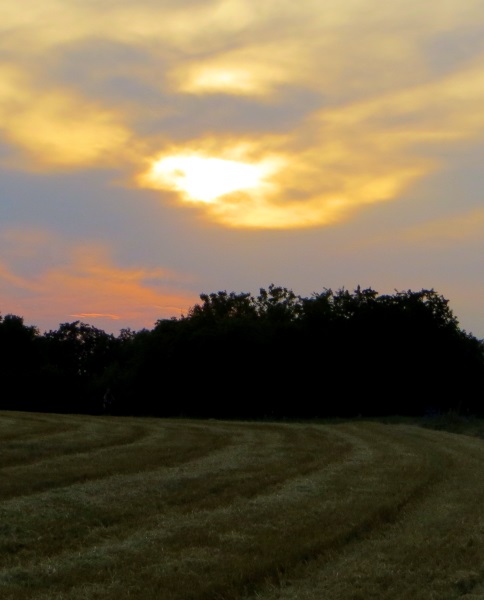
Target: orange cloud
x=87, y=284
x=92, y=316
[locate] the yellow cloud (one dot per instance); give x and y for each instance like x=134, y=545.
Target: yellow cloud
x=383, y=111
x=248, y=71
x=307, y=184
x=58, y=128
x=339, y=49
x=32, y=27
x=340, y=159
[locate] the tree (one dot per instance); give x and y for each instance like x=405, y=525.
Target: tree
x=19, y=362
x=79, y=355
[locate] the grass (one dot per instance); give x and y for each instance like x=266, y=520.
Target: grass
x=119, y=508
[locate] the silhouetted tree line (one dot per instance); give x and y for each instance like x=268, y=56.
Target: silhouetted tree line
x=275, y=355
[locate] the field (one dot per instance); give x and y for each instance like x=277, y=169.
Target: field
x=116, y=508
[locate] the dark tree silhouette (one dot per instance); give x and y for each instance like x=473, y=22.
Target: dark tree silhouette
x=274, y=355
x=79, y=355
x=19, y=363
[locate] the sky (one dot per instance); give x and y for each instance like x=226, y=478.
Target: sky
x=151, y=151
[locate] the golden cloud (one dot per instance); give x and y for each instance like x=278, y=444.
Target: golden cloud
x=384, y=108
x=341, y=159
x=57, y=128
x=248, y=71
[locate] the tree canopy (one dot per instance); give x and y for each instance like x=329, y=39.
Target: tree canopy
x=271, y=355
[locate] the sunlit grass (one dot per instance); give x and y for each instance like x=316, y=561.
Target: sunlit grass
x=114, y=508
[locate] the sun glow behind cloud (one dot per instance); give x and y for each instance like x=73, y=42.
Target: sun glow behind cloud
x=205, y=178
x=367, y=140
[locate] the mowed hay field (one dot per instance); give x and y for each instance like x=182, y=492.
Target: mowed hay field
x=115, y=508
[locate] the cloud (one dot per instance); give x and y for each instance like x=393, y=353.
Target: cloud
x=458, y=228
x=340, y=159
x=57, y=128
x=364, y=106
x=84, y=283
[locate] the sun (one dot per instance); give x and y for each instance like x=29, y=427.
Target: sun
x=204, y=179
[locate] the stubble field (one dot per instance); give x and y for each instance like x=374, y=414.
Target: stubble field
x=115, y=508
